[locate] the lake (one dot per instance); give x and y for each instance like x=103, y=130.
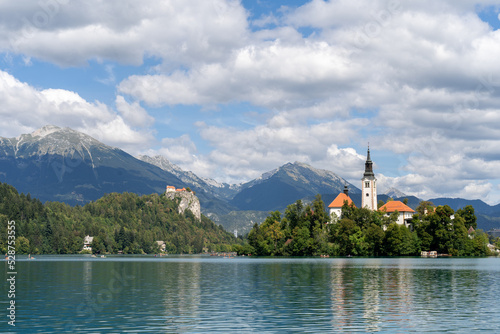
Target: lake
x=199, y=294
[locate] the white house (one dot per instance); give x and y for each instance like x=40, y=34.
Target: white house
x=336, y=205
x=405, y=212
x=161, y=244
x=87, y=242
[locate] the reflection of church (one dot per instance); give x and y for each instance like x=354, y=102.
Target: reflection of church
x=369, y=198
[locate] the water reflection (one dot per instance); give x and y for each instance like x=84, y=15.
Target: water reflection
x=177, y=295
x=180, y=290
x=371, y=299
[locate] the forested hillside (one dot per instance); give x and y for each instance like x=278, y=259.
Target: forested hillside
x=118, y=222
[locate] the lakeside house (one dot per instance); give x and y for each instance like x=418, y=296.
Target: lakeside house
x=405, y=212
x=161, y=244
x=87, y=243
x=336, y=205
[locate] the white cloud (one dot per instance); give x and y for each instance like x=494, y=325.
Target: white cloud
x=180, y=150
x=25, y=109
x=422, y=82
x=133, y=113
x=244, y=154
x=346, y=161
x=124, y=31
x=418, y=79
x=271, y=75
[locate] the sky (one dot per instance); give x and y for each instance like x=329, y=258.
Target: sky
x=232, y=89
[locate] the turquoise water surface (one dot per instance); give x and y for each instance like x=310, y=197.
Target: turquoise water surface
x=189, y=294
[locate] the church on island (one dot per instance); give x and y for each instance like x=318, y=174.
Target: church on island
x=369, y=199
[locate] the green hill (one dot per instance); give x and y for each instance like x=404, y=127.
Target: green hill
x=118, y=222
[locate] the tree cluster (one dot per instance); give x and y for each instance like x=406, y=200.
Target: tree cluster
x=446, y=231
x=118, y=222
x=307, y=231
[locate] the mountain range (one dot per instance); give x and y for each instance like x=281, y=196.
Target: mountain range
x=61, y=164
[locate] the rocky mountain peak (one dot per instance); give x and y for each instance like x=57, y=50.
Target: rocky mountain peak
x=52, y=140
x=395, y=193
x=45, y=131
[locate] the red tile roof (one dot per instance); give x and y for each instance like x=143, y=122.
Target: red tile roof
x=395, y=205
x=338, y=202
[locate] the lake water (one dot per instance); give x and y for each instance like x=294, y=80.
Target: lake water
x=186, y=294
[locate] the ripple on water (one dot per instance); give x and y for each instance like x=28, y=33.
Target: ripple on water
x=258, y=295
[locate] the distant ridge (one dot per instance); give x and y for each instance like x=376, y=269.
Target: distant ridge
x=217, y=189
x=61, y=164
x=277, y=189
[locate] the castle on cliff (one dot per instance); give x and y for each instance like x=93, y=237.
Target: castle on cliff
x=188, y=200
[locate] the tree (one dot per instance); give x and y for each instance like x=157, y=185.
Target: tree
x=374, y=239
x=346, y=227
x=294, y=214
x=468, y=215
x=399, y=241
x=272, y=234
x=424, y=208
x=422, y=229
x=22, y=245
x=301, y=242
x=98, y=246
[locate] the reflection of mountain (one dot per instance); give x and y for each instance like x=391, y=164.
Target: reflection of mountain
x=61, y=164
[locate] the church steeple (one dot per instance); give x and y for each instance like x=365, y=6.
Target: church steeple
x=368, y=165
x=369, y=188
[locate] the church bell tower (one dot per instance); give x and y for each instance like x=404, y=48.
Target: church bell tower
x=368, y=186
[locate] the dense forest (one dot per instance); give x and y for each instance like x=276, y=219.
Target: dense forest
x=303, y=231
x=132, y=224
x=124, y=222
